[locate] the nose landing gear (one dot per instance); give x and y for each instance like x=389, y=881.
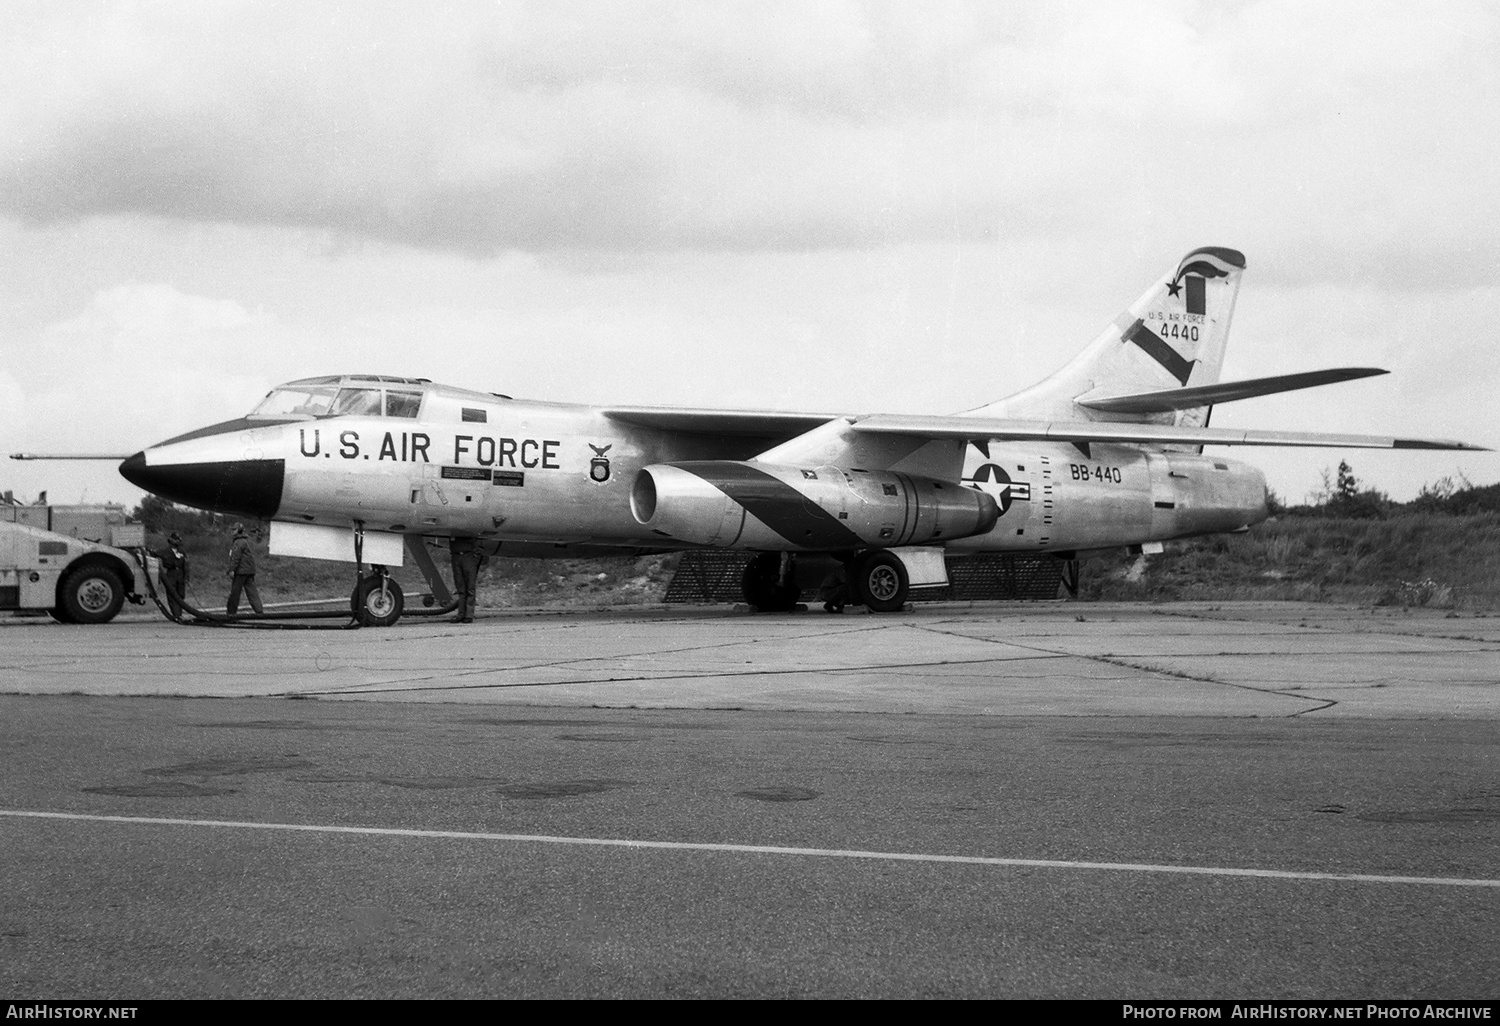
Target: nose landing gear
x=377, y=600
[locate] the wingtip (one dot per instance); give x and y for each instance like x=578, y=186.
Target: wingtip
x=1438, y=443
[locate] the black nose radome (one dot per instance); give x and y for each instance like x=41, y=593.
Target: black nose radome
x=250, y=488
x=131, y=468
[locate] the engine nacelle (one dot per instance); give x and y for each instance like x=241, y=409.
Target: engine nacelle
x=765, y=506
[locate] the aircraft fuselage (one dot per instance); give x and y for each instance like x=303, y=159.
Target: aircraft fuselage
x=561, y=476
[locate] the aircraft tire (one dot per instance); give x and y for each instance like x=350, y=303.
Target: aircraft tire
x=762, y=585
x=881, y=582
x=92, y=594
x=377, y=607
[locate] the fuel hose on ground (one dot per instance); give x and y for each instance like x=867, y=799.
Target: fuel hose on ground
x=277, y=620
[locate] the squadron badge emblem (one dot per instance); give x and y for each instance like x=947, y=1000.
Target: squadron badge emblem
x=599, y=465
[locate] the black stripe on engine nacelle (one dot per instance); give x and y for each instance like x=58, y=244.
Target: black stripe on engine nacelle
x=796, y=517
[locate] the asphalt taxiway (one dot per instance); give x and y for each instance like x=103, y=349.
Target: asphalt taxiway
x=1087, y=800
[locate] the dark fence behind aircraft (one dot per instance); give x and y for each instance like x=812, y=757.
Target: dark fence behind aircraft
x=714, y=576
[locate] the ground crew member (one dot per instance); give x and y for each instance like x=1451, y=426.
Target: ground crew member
x=174, y=574
x=834, y=591
x=467, y=559
x=242, y=571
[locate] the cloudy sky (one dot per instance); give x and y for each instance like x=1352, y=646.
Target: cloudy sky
x=912, y=207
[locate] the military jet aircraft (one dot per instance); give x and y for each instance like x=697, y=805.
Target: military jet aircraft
x=1106, y=452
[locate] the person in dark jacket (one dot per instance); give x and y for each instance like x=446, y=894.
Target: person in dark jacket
x=467, y=559
x=174, y=573
x=834, y=591
x=242, y=571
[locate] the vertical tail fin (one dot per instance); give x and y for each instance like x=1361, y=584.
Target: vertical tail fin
x=1173, y=336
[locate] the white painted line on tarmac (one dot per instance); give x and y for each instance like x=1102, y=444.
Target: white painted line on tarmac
x=760, y=849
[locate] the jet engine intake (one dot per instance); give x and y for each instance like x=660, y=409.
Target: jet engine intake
x=749, y=505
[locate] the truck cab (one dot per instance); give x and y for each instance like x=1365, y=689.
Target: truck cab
x=81, y=564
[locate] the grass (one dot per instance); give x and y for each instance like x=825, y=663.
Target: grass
x=576, y=583
x=1431, y=559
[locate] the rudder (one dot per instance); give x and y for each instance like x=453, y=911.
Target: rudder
x=1186, y=329
x=1173, y=336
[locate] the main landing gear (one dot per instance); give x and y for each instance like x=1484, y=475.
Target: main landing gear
x=876, y=580
x=880, y=582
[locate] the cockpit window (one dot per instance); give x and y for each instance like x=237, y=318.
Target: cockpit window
x=402, y=404
x=297, y=401
x=357, y=402
x=327, y=400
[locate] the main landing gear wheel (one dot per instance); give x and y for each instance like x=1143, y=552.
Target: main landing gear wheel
x=881, y=583
x=92, y=594
x=378, y=601
x=762, y=585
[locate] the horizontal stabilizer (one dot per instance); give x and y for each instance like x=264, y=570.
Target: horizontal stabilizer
x=1004, y=429
x=1206, y=395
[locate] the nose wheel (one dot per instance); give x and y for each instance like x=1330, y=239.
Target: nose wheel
x=377, y=601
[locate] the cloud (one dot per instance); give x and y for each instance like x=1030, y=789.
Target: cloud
x=199, y=356
x=641, y=126
x=131, y=314
x=613, y=126
x=814, y=204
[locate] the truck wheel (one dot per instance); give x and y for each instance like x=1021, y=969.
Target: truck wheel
x=881, y=582
x=762, y=585
x=92, y=594
x=376, y=606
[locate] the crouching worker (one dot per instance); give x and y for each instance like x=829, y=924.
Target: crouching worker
x=834, y=591
x=242, y=572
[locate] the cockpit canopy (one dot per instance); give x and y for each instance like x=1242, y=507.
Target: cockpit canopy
x=364, y=395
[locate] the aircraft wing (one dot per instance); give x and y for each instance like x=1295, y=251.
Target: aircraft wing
x=979, y=428
x=748, y=423
x=1206, y=395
